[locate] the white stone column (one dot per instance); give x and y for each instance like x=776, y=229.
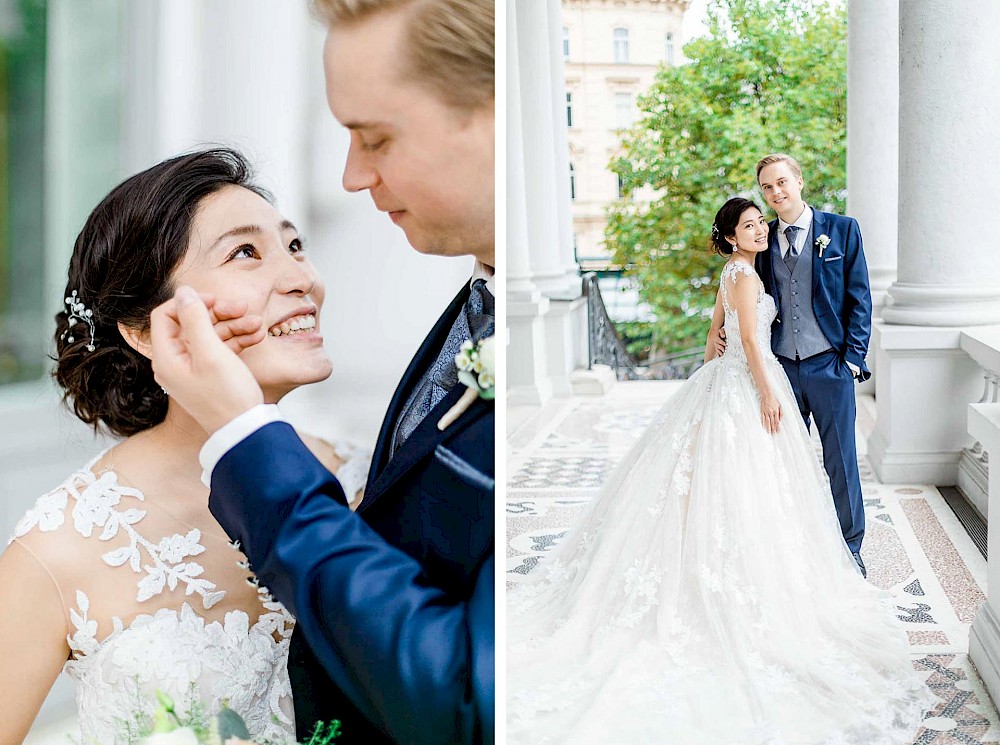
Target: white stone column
x=573, y=287
x=527, y=374
x=873, y=136
x=949, y=253
x=542, y=185
x=949, y=161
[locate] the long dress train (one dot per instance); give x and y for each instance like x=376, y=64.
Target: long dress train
x=707, y=597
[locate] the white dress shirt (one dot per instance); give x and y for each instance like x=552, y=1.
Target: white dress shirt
x=803, y=222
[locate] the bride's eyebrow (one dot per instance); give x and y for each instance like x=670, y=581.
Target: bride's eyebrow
x=234, y=232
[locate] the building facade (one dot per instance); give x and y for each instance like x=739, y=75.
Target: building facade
x=612, y=51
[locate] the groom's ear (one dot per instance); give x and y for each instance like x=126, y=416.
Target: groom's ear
x=138, y=340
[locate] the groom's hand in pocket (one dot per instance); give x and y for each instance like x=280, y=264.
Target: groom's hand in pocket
x=197, y=369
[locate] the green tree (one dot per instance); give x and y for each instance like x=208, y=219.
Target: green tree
x=771, y=76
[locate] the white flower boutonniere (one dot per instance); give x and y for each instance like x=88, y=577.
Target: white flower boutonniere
x=822, y=242
x=476, y=365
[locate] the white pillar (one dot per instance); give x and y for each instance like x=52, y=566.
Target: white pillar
x=949, y=158
x=527, y=375
x=542, y=186
x=949, y=262
x=873, y=136
x=573, y=285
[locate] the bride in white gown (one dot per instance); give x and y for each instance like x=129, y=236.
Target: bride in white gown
x=121, y=576
x=708, y=597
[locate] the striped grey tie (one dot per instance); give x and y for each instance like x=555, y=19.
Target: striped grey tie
x=792, y=256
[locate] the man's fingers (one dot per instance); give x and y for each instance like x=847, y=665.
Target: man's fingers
x=239, y=327
x=226, y=310
x=165, y=333
x=193, y=318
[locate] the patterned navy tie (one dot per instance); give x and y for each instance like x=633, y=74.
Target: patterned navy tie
x=476, y=323
x=792, y=255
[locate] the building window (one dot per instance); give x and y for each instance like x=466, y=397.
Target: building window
x=621, y=45
x=670, y=48
x=621, y=186
x=565, y=42
x=572, y=182
x=569, y=109
x=624, y=110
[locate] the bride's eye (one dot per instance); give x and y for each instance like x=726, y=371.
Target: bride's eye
x=297, y=246
x=246, y=251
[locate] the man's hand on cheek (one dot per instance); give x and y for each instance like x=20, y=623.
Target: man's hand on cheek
x=233, y=324
x=198, y=369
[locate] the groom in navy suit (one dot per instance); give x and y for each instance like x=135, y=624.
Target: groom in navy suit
x=815, y=270
x=394, y=604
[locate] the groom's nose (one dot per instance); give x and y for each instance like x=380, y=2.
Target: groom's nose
x=359, y=173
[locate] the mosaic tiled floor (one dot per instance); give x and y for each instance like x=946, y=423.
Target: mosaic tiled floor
x=915, y=547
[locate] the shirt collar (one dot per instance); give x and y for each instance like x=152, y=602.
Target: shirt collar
x=485, y=271
x=803, y=222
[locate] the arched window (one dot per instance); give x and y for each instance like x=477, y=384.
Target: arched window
x=620, y=36
x=670, y=48
x=569, y=109
x=572, y=182
x=565, y=42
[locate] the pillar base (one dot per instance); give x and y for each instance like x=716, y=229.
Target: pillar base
x=527, y=375
x=942, y=305
x=565, y=343
x=984, y=648
x=925, y=383
x=594, y=382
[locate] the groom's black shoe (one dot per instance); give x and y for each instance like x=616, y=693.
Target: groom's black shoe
x=861, y=564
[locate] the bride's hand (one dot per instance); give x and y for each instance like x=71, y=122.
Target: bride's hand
x=770, y=413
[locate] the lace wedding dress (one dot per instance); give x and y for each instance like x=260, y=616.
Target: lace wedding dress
x=708, y=597
x=155, y=604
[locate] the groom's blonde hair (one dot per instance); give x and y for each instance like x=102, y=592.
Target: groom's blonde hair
x=778, y=158
x=451, y=43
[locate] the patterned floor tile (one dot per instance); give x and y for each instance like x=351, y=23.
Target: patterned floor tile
x=915, y=548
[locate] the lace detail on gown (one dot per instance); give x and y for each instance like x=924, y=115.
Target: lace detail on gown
x=185, y=635
x=707, y=595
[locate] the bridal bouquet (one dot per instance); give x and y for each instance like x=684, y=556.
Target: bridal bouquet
x=167, y=727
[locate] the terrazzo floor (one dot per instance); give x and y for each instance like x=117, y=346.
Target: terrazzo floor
x=915, y=547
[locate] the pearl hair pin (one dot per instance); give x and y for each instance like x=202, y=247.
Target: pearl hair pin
x=78, y=313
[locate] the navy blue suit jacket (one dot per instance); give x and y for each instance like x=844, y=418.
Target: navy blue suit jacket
x=396, y=602
x=842, y=299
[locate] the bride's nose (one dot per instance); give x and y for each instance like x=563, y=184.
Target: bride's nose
x=296, y=277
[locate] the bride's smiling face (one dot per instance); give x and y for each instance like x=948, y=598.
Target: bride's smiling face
x=241, y=248
x=751, y=232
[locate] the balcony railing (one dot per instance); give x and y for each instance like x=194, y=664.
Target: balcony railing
x=607, y=348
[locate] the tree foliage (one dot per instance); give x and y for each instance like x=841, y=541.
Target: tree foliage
x=771, y=76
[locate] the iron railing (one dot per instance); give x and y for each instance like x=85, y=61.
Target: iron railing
x=607, y=348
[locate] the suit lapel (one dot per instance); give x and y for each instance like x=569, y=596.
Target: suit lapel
x=419, y=365
x=425, y=438
x=816, y=227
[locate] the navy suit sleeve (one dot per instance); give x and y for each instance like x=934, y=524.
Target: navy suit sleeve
x=418, y=663
x=857, y=314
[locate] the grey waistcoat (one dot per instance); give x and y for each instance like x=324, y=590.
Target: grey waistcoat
x=798, y=334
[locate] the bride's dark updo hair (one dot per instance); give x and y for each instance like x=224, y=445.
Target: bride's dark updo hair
x=726, y=220
x=121, y=270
